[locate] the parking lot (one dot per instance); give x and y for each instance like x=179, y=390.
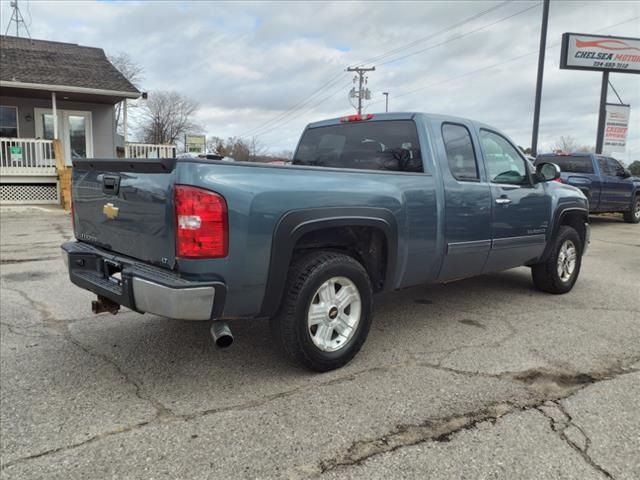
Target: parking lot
x=483, y=378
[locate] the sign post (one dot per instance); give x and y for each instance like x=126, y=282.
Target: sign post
x=581, y=51
x=602, y=111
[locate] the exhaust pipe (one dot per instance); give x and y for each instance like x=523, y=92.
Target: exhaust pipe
x=221, y=334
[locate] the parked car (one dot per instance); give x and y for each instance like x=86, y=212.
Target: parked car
x=607, y=184
x=371, y=203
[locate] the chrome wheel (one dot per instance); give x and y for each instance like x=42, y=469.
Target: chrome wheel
x=636, y=211
x=334, y=314
x=567, y=260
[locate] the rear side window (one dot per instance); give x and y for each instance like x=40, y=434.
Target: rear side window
x=386, y=145
x=460, y=153
x=569, y=163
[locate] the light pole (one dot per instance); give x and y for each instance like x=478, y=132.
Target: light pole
x=541, y=51
x=386, y=101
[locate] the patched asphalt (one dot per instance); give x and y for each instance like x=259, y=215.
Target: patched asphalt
x=483, y=378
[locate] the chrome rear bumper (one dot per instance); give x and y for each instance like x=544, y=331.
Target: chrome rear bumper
x=142, y=287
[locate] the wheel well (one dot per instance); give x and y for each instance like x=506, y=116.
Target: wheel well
x=368, y=245
x=577, y=221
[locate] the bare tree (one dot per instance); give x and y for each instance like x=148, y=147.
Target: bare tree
x=285, y=154
x=565, y=144
x=569, y=144
x=166, y=117
x=130, y=70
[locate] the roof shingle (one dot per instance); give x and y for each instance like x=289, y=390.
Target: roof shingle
x=56, y=63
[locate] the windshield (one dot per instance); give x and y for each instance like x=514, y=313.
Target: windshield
x=569, y=163
x=385, y=145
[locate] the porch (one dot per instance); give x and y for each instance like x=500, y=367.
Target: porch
x=33, y=170
x=28, y=171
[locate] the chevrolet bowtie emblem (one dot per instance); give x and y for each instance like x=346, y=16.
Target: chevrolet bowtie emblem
x=110, y=210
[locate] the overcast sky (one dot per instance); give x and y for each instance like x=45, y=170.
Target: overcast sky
x=248, y=64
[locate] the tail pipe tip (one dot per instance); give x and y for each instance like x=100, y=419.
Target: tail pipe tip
x=221, y=334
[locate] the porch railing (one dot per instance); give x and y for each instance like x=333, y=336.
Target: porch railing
x=26, y=156
x=147, y=150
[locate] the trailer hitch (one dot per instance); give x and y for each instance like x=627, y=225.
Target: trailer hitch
x=103, y=304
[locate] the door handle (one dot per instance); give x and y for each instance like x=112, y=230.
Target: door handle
x=503, y=200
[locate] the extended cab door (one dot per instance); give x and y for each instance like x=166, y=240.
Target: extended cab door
x=615, y=187
x=521, y=209
x=467, y=202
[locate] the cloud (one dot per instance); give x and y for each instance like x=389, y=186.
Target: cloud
x=249, y=63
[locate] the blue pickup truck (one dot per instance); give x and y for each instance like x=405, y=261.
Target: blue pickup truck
x=370, y=203
x=608, y=186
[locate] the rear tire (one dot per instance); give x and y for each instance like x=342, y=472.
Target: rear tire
x=633, y=215
x=558, y=274
x=318, y=326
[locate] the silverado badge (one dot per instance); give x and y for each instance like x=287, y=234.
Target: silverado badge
x=110, y=210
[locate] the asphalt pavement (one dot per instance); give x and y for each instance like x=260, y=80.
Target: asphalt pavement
x=482, y=378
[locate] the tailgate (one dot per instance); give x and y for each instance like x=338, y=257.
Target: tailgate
x=126, y=206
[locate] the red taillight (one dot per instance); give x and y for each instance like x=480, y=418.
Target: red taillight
x=356, y=118
x=202, y=228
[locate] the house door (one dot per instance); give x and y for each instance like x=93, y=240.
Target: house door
x=74, y=129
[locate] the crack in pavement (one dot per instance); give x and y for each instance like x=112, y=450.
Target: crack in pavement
x=443, y=429
x=11, y=261
x=562, y=424
x=547, y=386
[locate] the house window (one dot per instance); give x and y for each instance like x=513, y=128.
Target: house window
x=8, y=122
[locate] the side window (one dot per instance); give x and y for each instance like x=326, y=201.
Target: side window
x=604, y=166
x=614, y=166
x=460, y=153
x=8, y=122
x=504, y=163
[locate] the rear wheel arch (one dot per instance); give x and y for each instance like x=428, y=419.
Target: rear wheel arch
x=301, y=231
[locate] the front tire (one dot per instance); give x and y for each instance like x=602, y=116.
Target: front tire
x=633, y=215
x=558, y=274
x=325, y=314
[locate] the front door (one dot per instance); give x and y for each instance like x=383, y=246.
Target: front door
x=74, y=129
x=521, y=208
x=615, y=187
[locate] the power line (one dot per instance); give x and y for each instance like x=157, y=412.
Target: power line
x=328, y=84
x=393, y=51
x=301, y=104
x=509, y=60
x=462, y=35
x=312, y=108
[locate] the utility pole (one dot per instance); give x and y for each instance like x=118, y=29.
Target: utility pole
x=541, y=52
x=16, y=16
x=386, y=101
x=362, y=81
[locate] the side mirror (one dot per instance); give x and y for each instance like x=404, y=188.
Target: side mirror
x=547, y=172
x=624, y=173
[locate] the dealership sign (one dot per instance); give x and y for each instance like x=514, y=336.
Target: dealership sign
x=615, y=128
x=593, y=52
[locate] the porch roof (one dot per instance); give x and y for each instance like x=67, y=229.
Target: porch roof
x=44, y=66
